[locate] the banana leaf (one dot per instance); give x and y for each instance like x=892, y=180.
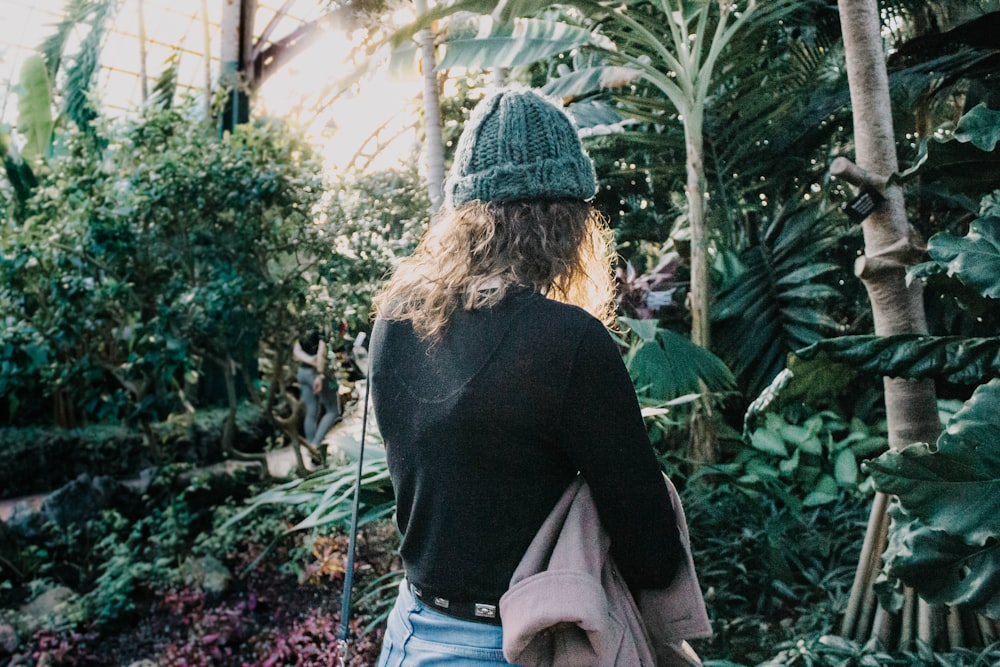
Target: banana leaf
x=521, y=42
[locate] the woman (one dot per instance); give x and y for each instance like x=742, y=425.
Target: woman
x=495, y=383
x=316, y=387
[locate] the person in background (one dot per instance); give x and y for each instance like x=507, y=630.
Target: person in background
x=318, y=388
x=495, y=383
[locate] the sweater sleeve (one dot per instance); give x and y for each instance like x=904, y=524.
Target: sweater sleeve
x=603, y=433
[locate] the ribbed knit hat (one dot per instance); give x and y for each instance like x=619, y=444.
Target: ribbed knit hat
x=517, y=145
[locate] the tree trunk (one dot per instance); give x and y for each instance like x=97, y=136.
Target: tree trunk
x=234, y=49
x=700, y=294
x=143, y=77
x=703, y=445
x=891, y=244
x=432, y=114
x=206, y=36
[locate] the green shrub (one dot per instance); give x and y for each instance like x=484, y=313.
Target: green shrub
x=143, y=265
x=39, y=459
x=768, y=571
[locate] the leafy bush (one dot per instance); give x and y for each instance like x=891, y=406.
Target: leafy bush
x=770, y=573
x=368, y=221
x=39, y=459
x=809, y=456
x=141, y=266
x=118, y=560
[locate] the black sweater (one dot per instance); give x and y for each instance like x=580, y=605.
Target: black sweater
x=485, y=428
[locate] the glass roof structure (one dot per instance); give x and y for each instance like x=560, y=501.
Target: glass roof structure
x=189, y=30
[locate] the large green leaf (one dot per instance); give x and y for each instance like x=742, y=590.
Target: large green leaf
x=980, y=127
x=940, y=566
x=590, y=80
x=974, y=258
x=520, y=42
x=777, y=304
x=665, y=365
x=954, y=488
x=34, y=107
x=959, y=167
x=954, y=358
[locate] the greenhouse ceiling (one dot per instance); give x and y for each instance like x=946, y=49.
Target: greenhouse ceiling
x=189, y=31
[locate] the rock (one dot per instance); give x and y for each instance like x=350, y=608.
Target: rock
x=81, y=499
x=25, y=521
x=47, y=604
x=208, y=574
x=8, y=639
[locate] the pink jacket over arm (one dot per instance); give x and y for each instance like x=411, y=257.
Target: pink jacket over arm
x=568, y=606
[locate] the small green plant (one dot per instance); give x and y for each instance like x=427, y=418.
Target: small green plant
x=813, y=458
x=769, y=571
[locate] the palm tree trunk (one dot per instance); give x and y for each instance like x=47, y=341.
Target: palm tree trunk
x=891, y=244
x=432, y=114
x=702, y=447
x=143, y=78
x=700, y=293
x=207, y=41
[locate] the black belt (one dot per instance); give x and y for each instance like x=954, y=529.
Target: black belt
x=477, y=612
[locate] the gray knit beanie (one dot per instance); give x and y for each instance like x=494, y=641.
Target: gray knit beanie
x=517, y=145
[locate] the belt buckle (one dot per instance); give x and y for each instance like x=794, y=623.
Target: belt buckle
x=486, y=610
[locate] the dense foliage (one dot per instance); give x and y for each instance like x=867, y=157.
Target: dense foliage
x=150, y=268
x=139, y=266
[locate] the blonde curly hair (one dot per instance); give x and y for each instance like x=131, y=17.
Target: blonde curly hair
x=473, y=254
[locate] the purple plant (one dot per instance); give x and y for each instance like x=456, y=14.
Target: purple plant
x=66, y=649
x=310, y=642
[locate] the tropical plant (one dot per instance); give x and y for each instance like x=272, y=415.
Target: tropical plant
x=812, y=458
x=134, y=274
x=367, y=222
x=931, y=546
x=672, y=376
x=324, y=500
x=943, y=541
x=771, y=571
x=50, y=92
x=781, y=297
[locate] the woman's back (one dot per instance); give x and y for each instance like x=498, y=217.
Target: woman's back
x=486, y=427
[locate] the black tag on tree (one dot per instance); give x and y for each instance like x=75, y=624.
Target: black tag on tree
x=863, y=205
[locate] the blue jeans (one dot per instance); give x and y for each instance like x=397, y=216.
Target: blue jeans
x=418, y=636
x=314, y=427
